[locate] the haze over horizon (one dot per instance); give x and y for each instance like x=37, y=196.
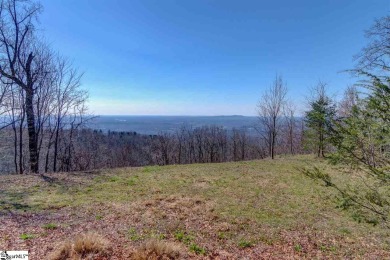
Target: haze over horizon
x=146, y=57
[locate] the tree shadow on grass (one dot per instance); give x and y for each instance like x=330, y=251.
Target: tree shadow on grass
x=14, y=202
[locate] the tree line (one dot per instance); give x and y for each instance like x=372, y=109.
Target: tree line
x=83, y=149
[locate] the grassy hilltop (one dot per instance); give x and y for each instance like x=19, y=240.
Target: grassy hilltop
x=259, y=209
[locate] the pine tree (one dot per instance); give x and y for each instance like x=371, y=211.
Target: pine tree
x=318, y=120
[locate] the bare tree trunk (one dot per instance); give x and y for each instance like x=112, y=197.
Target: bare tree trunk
x=15, y=145
x=21, y=163
x=32, y=135
x=56, y=138
x=273, y=133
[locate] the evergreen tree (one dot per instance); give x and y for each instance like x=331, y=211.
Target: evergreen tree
x=361, y=138
x=362, y=141
x=318, y=120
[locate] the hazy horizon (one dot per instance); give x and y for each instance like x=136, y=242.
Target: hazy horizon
x=177, y=115
x=153, y=124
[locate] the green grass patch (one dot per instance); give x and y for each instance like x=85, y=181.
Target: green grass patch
x=26, y=236
x=197, y=249
x=50, y=226
x=151, y=169
x=298, y=248
x=114, y=179
x=133, y=235
x=245, y=244
x=183, y=237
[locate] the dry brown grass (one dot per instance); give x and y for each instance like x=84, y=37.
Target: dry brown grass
x=82, y=246
x=158, y=250
x=63, y=252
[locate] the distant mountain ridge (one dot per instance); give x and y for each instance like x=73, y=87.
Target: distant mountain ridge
x=157, y=124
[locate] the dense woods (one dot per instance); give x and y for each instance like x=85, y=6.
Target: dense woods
x=78, y=148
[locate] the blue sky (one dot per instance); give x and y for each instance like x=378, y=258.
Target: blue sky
x=198, y=57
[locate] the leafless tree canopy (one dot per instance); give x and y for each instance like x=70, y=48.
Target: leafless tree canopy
x=348, y=101
x=39, y=90
x=22, y=62
x=375, y=56
x=270, y=109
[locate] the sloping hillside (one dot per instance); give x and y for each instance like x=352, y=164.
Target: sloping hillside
x=260, y=209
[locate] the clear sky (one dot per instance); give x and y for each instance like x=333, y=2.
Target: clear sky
x=198, y=57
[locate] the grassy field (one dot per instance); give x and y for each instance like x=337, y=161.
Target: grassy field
x=257, y=209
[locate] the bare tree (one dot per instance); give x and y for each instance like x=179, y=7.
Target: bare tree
x=349, y=100
x=375, y=56
x=21, y=59
x=16, y=115
x=164, y=148
x=270, y=108
x=291, y=125
x=239, y=144
x=4, y=104
x=67, y=98
x=44, y=101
